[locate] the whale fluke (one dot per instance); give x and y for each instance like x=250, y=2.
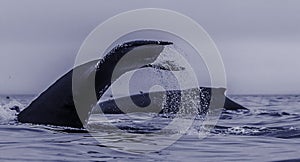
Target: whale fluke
x=55, y=106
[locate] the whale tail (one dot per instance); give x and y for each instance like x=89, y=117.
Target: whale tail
x=55, y=106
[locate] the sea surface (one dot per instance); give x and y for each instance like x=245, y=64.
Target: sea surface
x=269, y=131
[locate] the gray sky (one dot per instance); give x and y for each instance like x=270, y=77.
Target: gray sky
x=259, y=40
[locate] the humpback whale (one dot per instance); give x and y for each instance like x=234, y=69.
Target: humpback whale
x=56, y=105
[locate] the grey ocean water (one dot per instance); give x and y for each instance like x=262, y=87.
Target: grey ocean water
x=270, y=131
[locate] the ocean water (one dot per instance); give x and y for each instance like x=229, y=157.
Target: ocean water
x=270, y=131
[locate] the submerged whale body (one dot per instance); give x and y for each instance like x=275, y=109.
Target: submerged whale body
x=56, y=105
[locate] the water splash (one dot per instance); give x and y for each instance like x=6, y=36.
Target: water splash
x=170, y=59
x=7, y=114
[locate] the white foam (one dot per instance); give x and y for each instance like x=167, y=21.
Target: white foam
x=6, y=114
